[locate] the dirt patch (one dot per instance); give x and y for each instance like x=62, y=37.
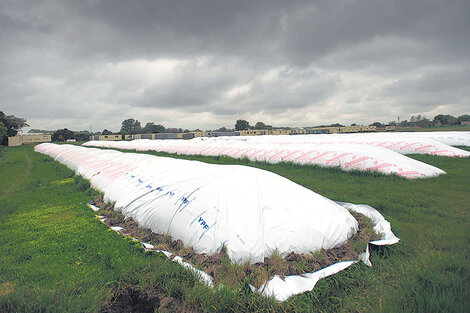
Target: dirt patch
x=221, y=268
x=131, y=299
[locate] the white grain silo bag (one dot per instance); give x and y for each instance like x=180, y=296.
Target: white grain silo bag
x=404, y=143
x=289, y=149
x=453, y=138
x=251, y=211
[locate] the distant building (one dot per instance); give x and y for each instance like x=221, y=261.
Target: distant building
x=30, y=138
x=318, y=131
x=252, y=132
x=167, y=135
x=465, y=123
x=280, y=132
x=221, y=134
x=198, y=133
x=174, y=134
x=341, y=129
x=106, y=137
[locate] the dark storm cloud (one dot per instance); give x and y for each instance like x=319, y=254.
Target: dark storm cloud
x=160, y=60
x=440, y=87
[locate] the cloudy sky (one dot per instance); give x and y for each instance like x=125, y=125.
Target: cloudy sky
x=205, y=64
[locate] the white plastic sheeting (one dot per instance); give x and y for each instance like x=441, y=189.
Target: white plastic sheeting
x=291, y=285
x=401, y=142
x=203, y=276
x=452, y=138
x=250, y=211
x=283, y=288
x=288, y=149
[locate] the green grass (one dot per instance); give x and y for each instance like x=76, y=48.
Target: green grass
x=436, y=128
x=56, y=256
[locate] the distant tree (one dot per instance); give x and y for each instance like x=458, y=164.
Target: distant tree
x=336, y=125
x=131, y=126
x=13, y=125
x=377, y=124
x=260, y=125
x=151, y=128
x=42, y=131
x=353, y=124
x=404, y=123
x=62, y=135
x=106, y=132
x=83, y=135
x=464, y=118
x=445, y=119
x=3, y=132
x=392, y=123
x=242, y=125
x=422, y=121
x=173, y=130
x=222, y=129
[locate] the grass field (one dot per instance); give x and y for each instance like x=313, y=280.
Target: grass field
x=435, y=128
x=57, y=257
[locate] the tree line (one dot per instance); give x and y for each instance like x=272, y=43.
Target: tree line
x=438, y=120
x=10, y=125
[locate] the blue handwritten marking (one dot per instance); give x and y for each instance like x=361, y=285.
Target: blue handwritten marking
x=238, y=236
x=186, y=203
x=206, y=229
x=156, y=189
x=169, y=193
x=203, y=223
x=221, y=245
x=148, y=186
x=180, y=198
x=197, y=218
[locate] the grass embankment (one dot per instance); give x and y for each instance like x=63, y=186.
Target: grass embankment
x=56, y=256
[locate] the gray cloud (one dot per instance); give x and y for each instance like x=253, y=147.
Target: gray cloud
x=208, y=63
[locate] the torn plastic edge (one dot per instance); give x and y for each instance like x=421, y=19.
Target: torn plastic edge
x=282, y=289
x=203, y=276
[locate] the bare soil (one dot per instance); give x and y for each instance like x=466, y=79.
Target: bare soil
x=131, y=299
x=223, y=271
